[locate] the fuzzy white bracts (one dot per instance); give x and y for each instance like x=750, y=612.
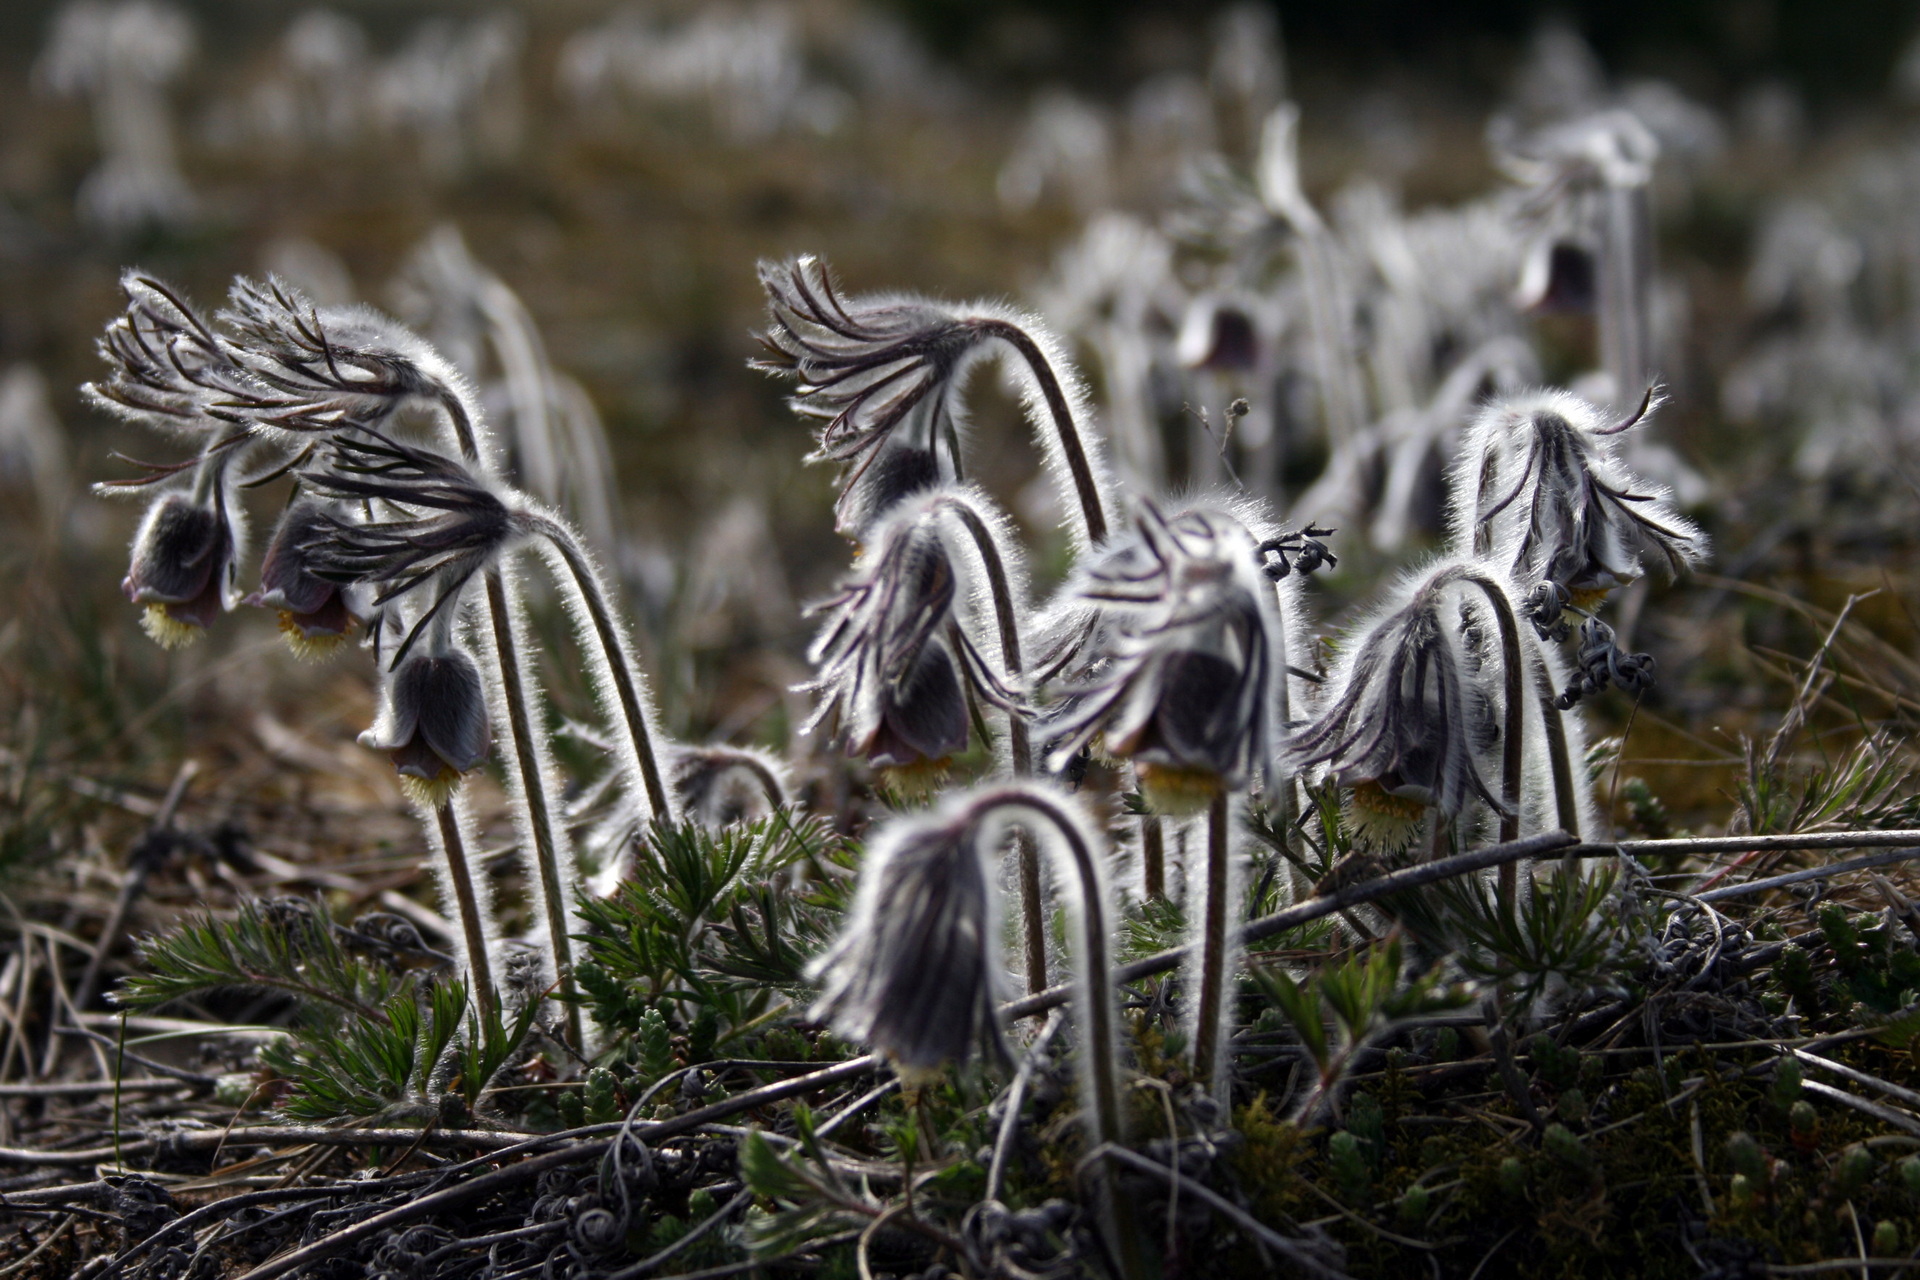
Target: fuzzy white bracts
x=885, y=375
x=1411, y=705
x=1186, y=661
x=1540, y=487
x=904, y=637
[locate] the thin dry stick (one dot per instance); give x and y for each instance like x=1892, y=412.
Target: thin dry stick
x=1812, y=873
x=1325, y=905
x=141, y=864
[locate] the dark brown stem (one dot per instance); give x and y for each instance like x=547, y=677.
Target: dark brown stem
x=533, y=790
x=1056, y=397
x=1213, y=943
x=479, y=967
x=1033, y=923
x=1153, y=856
x=1512, y=748
x=1559, y=760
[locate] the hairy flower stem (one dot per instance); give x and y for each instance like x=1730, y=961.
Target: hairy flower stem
x=533, y=786
x=1094, y=965
x=1153, y=856
x=618, y=664
x=1559, y=759
x=1071, y=446
x=1512, y=749
x=1213, y=942
x=480, y=968
x=1019, y=744
x=1286, y=807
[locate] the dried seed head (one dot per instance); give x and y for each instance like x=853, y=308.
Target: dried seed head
x=317, y=614
x=432, y=722
x=320, y=370
x=1539, y=486
x=897, y=656
x=918, y=971
x=1410, y=705
x=168, y=368
x=1184, y=661
x=184, y=564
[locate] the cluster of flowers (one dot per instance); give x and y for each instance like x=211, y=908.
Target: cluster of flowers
x=1176, y=650
x=1170, y=649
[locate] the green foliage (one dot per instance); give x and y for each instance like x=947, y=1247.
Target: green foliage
x=1565, y=934
x=1347, y=1002
x=809, y=1198
x=285, y=945
x=366, y=1042
x=715, y=934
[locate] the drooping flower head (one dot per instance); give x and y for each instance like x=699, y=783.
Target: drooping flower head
x=918, y=971
x=897, y=655
x=436, y=523
x=186, y=556
x=884, y=376
x=432, y=719
x=1409, y=718
x=1184, y=664
x=1539, y=486
x=317, y=613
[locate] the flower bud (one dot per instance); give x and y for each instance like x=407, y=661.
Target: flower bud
x=315, y=613
x=183, y=566
x=433, y=722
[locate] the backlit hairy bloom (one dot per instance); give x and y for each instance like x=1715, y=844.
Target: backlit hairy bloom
x=918, y=972
x=1409, y=708
x=1184, y=664
x=436, y=523
x=185, y=558
x=884, y=375
x=895, y=658
x=1539, y=486
x=316, y=613
x=432, y=722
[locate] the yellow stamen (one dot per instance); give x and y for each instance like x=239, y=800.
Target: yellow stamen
x=918, y=780
x=311, y=646
x=1380, y=822
x=431, y=792
x=166, y=630
x=1177, y=792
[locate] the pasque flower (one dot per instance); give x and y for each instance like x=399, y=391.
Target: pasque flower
x=1183, y=669
x=1539, y=485
x=896, y=657
x=918, y=970
x=437, y=523
x=1409, y=716
x=884, y=376
x=316, y=613
x=185, y=561
x=432, y=720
